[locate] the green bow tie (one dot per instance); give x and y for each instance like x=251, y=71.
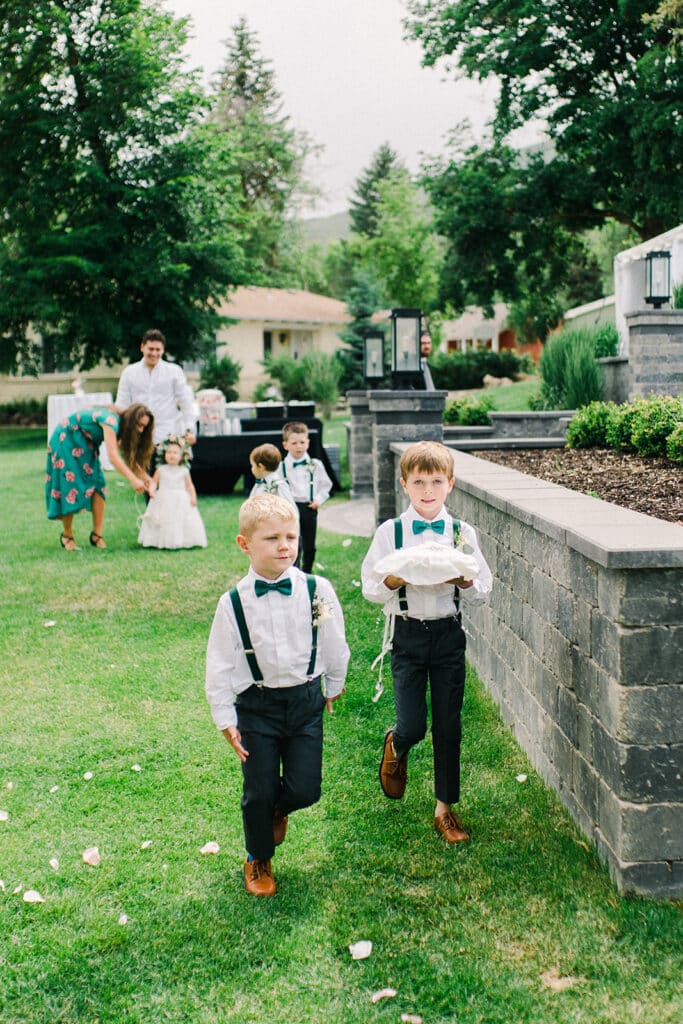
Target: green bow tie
x=419, y=526
x=301, y=462
x=283, y=586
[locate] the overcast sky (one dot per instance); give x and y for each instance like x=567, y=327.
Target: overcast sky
x=346, y=77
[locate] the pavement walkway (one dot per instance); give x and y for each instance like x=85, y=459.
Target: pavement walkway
x=354, y=517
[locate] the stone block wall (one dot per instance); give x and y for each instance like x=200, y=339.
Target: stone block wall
x=581, y=646
x=655, y=352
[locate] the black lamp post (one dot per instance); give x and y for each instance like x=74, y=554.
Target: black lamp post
x=657, y=278
x=405, y=347
x=373, y=355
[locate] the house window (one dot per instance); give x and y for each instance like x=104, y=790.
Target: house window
x=267, y=343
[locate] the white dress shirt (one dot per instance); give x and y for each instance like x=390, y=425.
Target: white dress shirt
x=428, y=602
x=280, y=630
x=274, y=483
x=163, y=390
x=308, y=483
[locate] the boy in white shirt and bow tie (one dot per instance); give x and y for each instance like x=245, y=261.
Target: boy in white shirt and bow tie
x=273, y=637
x=428, y=639
x=309, y=483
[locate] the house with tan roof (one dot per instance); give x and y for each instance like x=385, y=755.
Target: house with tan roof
x=277, y=321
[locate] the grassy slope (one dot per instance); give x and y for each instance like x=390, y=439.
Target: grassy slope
x=462, y=933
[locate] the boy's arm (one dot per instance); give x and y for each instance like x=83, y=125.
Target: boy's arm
x=332, y=636
x=221, y=660
x=481, y=586
x=374, y=588
x=322, y=485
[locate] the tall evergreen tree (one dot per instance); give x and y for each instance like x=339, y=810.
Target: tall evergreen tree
x=110, y=218
x=366, y=198
x=363, y=299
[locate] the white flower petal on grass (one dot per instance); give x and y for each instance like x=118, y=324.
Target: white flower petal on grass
x=384, y=993
x=356, y=583
x=2, y=885
x=91, y=856
x=49, y=622
x=319, y=565
x=4, y=815
x=360, y=950
x=521, y=777
x=123, y=919
x=87, y=776
x=54, y=863
x=135, y=768
x=411, y=1018
x=347, y=543
x=18, y=889
x=10, y=785
x=145, y=845
x=32, y=896
x=211, y=847
x=53, y=789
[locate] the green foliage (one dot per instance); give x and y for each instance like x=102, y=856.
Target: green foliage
x=362, y=300
x=605, y=341
x=588, y=427
x=656, y=419
x=223, y=374
x=678, y=295
x=458, y=371
x=469, y=411
x=366, y=197
x=674, y=444
x=571, y=376
x=619, y=427
x=314, y=377
x=118, y=210
x=26, y=411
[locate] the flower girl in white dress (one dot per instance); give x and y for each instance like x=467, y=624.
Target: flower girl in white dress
x=172, y=519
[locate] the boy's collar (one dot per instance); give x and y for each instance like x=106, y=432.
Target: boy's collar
x=412, y=514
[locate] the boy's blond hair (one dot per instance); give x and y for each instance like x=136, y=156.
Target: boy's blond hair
x=293, y=427
x=256, y=510
x=266, y=455
x=427, y=457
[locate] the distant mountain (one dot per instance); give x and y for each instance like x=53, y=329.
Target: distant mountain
x=327, y=229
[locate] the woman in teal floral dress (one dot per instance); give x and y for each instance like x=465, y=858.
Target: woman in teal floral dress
x=75, y=480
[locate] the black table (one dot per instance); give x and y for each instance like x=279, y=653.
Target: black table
x=218, y=463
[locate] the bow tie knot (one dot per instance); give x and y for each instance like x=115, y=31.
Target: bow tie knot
x=282, y=586
x=301, y=462
x=419, y=526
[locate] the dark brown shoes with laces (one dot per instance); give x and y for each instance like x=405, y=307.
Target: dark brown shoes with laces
x=393, y=774
x=258, y=878
x=450, y=828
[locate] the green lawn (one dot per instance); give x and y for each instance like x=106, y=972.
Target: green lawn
x=510, y=397
x=102, y=669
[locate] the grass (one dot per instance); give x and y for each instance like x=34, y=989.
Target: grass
x=463, y=934
x=509, y=397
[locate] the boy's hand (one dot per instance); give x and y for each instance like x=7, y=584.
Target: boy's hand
x=329, y=701
x=460, y=583
x=313, y=504
x=232, y=735
x=393, y=582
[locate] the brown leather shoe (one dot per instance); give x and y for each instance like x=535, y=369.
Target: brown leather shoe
x=450, y=828
x=279, y=826
x=258, y=878
x=393, y=774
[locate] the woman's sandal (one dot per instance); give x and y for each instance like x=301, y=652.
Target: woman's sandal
x=96, y=538
x=68, y=541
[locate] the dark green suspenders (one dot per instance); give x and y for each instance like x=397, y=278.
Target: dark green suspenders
x=398, y=543
x=252, y=661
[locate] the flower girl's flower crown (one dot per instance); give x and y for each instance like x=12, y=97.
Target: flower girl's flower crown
x=182, y=444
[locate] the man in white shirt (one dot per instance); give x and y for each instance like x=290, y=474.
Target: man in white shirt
x=161, y=386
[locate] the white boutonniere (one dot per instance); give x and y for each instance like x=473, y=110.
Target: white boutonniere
x=322, y=611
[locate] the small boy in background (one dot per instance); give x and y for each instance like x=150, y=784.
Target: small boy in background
x=265, y=464
x=428, y=640
x=274, y=637
x=309, y=483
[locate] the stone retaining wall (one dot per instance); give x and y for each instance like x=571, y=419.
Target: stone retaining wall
x=581, y=646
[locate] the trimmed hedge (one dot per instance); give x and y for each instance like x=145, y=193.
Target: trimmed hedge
x=462, y=371
x=650, y=427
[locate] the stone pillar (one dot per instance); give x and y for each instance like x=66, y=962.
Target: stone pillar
x=400, y=416
x=360, y=444
x=655, y=350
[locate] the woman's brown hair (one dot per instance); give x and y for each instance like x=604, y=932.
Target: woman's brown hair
x=136, y=446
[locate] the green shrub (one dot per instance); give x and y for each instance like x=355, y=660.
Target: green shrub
x=588, y=428
x=469, y=412
x=678, y=295
x=459, y=371
x=314, y=377
x=571, y=376
x=605, y=341
x=654, y=421
x=222, y=374
x=674, y=444
x=27, y=412
x=620, y=425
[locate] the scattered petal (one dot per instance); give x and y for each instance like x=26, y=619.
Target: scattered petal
x=4, y=815
x=54, y=864
x=10, y=785
x=18, y=889
x=91, y=856
x=360, y=950
x=135, y=768
x=53, y=789
x=2, y=885
x=123, y=919
x=521, y=777
x=120, y=483
x=164, y=867
x=211, y=847
x=347, y=543
x=146, y=844
x=49, y=622
x=411, y=1018
x=319, y=565
x=356, y=583
x=163, y=575
x=87, y=776
x=553, y=980
x=32, y=896
x=384, y=993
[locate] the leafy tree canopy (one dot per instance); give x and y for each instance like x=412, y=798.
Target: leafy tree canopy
x=111, y=219
x=366, y=198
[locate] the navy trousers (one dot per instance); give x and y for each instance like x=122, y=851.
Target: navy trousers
x=430, y=653
x=283, y=731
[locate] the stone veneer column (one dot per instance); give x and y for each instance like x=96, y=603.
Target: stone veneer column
x=655, y=352
x=399, y=416
x=360, y=444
